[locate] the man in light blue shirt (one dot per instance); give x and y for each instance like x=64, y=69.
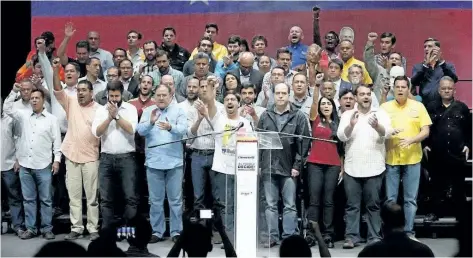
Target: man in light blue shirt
x=298, y=50
x=163, y=123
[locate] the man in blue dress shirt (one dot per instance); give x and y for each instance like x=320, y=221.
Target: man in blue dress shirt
x=162, y=123
x=298, y=50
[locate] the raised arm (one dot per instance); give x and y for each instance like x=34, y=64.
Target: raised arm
x=316, y=27
x=10, y=100
x=61, y=51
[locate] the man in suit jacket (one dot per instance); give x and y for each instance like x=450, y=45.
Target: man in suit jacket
x=246, y=73
x=134, y=87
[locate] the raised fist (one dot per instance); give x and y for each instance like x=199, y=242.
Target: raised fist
x=372, y=36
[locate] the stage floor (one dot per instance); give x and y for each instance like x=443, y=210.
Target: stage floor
x=12, y=246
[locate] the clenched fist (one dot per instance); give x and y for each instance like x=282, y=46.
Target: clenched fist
x=372, y=36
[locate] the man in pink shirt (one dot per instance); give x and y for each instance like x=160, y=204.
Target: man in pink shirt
x=81, y=149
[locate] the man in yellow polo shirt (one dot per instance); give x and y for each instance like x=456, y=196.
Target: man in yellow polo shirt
x=411, y=122
x=218, y=51
x=346, y=51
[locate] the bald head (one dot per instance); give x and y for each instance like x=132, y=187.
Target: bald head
x=93, y=37
x=295, y=35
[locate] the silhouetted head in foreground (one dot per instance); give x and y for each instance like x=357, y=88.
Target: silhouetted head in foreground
x=143, y=232
x=393, y=218
x=294, y=246
x=61, y=249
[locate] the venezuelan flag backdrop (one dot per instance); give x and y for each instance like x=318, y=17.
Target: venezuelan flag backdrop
x=410, y=21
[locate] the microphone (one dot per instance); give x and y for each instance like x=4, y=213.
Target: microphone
x=240, y=125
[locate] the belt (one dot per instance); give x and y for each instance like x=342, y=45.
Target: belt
x=203, y=152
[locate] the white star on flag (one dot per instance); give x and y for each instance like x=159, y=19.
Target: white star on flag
x=203, y=1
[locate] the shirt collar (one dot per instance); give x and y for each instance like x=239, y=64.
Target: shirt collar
x=287, y=109
x=126, y=81
x=42, y=113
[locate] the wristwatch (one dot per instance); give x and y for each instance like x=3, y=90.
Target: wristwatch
x=117, y=117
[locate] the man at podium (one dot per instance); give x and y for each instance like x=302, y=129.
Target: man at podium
x=280, y=168
x=222, y=175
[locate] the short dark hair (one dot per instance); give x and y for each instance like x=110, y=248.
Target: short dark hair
x=151, y=42
x=161, y=53
x=38, y=90
x=76, y=66
x=146, y=75
x=283, y=50
x=436, y=41
x=119, y=49
x=83, y=44
x=48, y=37
x=345, y=92
x=248, y=86
x=276, y=67
x=299, y=74
x=204, y=38
x=337, y=62
x=288, y=88
x=355, y=91
x=89, y=60
x=395, y=52
x=234, y=39
x=114, y=67
x=259, y=38
x=115, y=85
x=392, y=215
x=232, y=92
x=337, y=38
x=86, y=82
x=402, y=78
x=389, y=35
x=169, y=28
x=211, y=25
x=125, y=60
x=136, y=32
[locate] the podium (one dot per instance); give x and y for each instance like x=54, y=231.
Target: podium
x=246, y=196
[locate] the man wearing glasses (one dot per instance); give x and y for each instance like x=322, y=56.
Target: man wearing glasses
x=112, y=74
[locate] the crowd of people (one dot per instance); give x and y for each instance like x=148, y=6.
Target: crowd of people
x=110, y=123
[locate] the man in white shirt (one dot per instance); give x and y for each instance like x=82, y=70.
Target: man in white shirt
x=40, y=137
x=364, y=129
x=115, y=125
x=10, y=177
x=222, y=175
x=202, y=147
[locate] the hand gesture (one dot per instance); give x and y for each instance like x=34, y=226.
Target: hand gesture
x=69, y=30
x=41, y=45
x=164, y=125
x=265, y=91
x=372, y=36
x=426, y=151
x=405, y=142
x=319, y=78
x=382, y=60
x=430, y=58
x=243, y=112
x=154, y=116
x=354, y=118
x=438, y=54
x=55, y=167
x=373, y=121
x=294, y=172
x=316, y=11
x=212, y=80
x=36, y=80
x=16, y=87
x=112, y=110
x=466, y=150
x=227, y=60
x=397, y=131
x=140, y=69
x=201, y=108
x=16, y=166
x=250, y=110
x=56, y=63
x=300, y=68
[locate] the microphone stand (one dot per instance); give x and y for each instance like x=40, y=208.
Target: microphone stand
x=297, y=136
x=195, y=137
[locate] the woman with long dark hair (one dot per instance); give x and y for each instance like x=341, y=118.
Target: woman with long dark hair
x=324, y=165
x=230, y=82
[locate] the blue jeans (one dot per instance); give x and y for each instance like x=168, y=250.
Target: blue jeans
x=36, y=182
x=410, y=183
x=223, y=191
x=160, y=183
x=273, y=185
x=200, y=165
x=12, y=183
